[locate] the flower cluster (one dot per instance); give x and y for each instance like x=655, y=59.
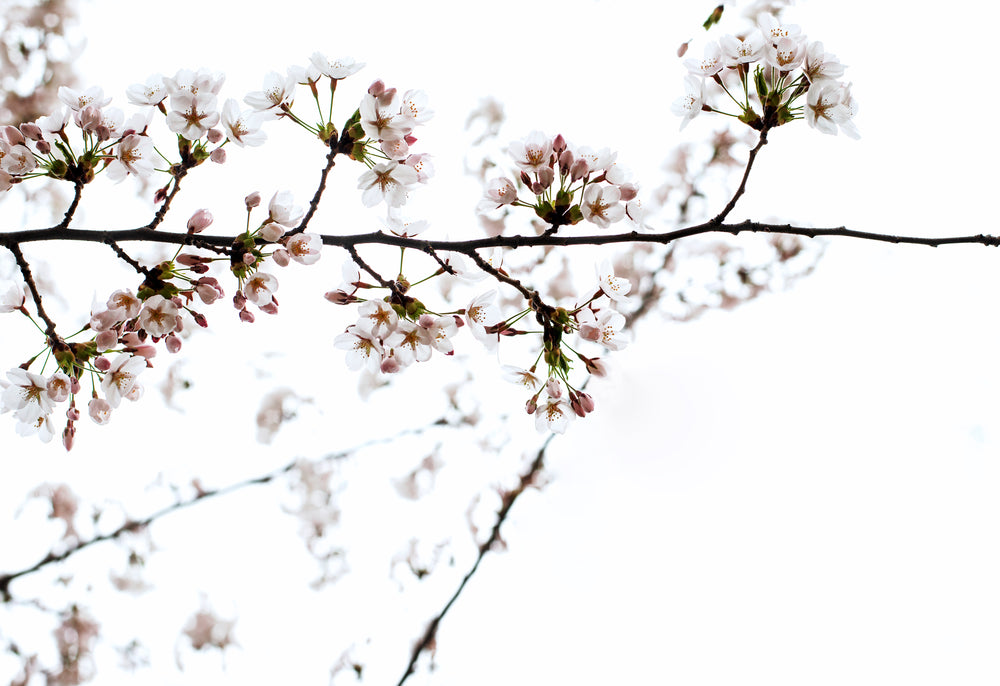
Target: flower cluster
x=386, y=122
x=591, y=185
x=782, y=66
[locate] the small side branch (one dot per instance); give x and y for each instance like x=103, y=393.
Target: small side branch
x=509, y=498
x=721, y=217
x=50, y=326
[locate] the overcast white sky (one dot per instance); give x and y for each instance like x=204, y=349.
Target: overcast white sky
x=802, y=490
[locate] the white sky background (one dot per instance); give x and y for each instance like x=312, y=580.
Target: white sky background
x=802, y=490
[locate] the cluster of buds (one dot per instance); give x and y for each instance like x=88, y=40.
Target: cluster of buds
x=782, y=65
x=591, y=185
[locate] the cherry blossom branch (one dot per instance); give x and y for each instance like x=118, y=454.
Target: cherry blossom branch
x=508, y=499
x=145, y=234
x=125, y=257
x=50, y=326
x=133, y=525
x=721, y=217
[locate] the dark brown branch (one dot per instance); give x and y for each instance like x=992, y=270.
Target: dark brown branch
x=145, y=234
x=124, y=256
x=50, y=326
x=314, y=203
x=721, y=217
x=509, y=498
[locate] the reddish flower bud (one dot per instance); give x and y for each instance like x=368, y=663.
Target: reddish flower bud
x=246, y=316
x=31, y=131
x=558, y=144
x=565, y=162
x=343, y=298
x=579, y=170
x=102, y=364
x=218, y=156
x=43, y=147
x=252, y=200
x=214, y=136
x=189, y=260
x=173, y=343
x=200, y=320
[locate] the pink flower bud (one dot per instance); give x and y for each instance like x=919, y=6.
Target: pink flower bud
x=199, y=221
x=558, y=144
x=14, y=135
x=200, y=269
x=200, y=319
x=69, y=433
x=271, y=307
x=160, y=195
x=343, y=298
x=252, y=200
x=147, y=351
x=590, y=333
x=189, y=260
x=74, y=385
x=107, y=340
x=239, y=301
x=102, y=364
x=377, y=88
x=553, y=388
x=173, y=343
x=215, y=136
x=132, y=339
x=208, y=289
x=565, y=162
x=281, y=257
x=390, y=365
x=31, y=131
x=246, y=316
x=103, y=133
x=426, y=320
x=218, y=156
x=531, y=406
x=546, y=176
x=628, y=191
x=595, y=366
x=43, y=147
x=579, y=170
x=272, y=232
x=249, y=258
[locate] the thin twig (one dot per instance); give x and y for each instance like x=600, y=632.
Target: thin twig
x=721, y=217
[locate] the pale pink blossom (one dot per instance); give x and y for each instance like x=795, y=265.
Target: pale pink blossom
x=133, y=155
x=305, y=248
x=123, y=305
x=553, y=415
x=413, y=107
x=483, y=312
x=283, y=210
x=58, y=387
x=499, y=192
x=77, y=100
x=711, y=64
x=533, y=153
x=363, y=348
x=121, y=377
x=387, y=181
x=259, y=288
x=26, y=395
x=521, y=377
x=607, y=330
x=787, y=55
x=99, y=410
x=742, y=51
x=613, y=286
x=601, y=205
x=821, y=65
x=191, y=116
x=19, y=160
x=150, y=93
x=336, y=69
x=691, y=103
x=381, y=118
x=242, y=128
x=278, y=90
x=158, y=316
x=379, y=317
x=12, y=297
x=201, y=82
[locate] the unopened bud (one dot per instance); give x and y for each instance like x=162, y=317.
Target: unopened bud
x=68, y=435
x=558, y=144
x=579, y=170
x=214, y=136
x=32, y=131
x=531, y=406
x=13, y=134
x=389, y=365
x=565, y=162
x=281, y=257
x=246, y=316
x=249, y=258
x=252, y=200
x=376, y=88
x=199, y=221
x=43, y=147
x=218, y=156
x=102, y=364
x=341, y=298
x=546, y=176
x=103, y=132
x=200, y=320
x=173, y=343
